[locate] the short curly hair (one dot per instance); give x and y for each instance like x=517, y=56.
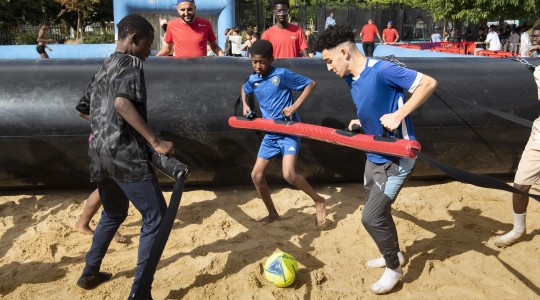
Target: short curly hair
x=282, y=2
x=263, y=48
x=333, y=36
x=134, y=23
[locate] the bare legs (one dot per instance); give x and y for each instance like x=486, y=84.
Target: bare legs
x=520, y=202
x=519, y=205
x=90, y=209
x=290, y=175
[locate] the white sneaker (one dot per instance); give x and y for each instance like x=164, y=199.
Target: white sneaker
x=505, y=240
x=381, y=263
x=388, y=281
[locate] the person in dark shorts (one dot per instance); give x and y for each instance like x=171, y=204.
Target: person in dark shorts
x=377, y=88
x=119, y=149
x=42, y=41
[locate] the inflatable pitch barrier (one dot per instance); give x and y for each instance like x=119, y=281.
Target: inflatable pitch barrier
x=364, y=142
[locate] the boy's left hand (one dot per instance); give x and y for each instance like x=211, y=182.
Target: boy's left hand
x=390, y=121
x=289, y=110
x=164, y=147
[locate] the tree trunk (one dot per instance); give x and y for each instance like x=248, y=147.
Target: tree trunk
x=78, y=25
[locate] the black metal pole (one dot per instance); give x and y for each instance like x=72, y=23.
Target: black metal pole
x=305, y=16
x=258, y=16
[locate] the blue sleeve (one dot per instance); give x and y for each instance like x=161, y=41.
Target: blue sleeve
x=248, y=86
x=294, y=81
x=398, y=77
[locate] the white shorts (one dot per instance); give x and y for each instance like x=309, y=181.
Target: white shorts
x=528, y=172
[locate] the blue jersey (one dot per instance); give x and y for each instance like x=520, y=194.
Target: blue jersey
x=379, y=90
x=273, y=91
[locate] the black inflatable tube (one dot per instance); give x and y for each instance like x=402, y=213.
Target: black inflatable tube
x=43, y=143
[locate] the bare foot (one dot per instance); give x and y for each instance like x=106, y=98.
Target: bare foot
x=268, y=219
x=320, y=212
x=119, y=238
x=83, y=228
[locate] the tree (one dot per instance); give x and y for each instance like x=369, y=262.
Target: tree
x=474, y=11
x=34, y=12
x=83, y=8
x=477, y=11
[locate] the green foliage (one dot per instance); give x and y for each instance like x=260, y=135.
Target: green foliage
x=98, y=38
x=479, y=11
x=34, y=12
x=475, y=11
x=25, y=37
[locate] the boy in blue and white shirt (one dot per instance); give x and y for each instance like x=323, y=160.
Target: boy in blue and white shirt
x=273, y=87
x=377, y=88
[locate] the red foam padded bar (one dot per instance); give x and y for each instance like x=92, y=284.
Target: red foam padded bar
x=364, y=142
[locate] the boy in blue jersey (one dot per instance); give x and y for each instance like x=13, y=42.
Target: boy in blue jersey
x=273, y=87
x=377, y=88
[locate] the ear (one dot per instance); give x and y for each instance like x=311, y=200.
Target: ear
x=345, y=53
x=135, y=38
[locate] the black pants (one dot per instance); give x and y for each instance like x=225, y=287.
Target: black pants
x=368, y=48
x=147, y=198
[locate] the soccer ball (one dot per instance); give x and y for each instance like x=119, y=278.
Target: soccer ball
x=280, y=269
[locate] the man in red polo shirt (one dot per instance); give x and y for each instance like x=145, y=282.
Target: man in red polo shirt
x=367, y=35
x=390, y=34
x=189, y=34
x=288, y=40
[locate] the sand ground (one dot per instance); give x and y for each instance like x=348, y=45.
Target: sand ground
x=216, y=251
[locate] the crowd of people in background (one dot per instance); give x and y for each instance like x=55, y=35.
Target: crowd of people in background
x=511, y=38
x=507, y=37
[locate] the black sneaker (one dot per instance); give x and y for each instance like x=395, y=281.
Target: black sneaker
x=132, y=297
x=91, y=281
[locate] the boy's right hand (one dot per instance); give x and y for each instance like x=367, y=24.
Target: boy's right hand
x=353, y=122
x=246, y=110
x=164, y=147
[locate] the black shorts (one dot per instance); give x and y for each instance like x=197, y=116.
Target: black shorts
x=40, y=49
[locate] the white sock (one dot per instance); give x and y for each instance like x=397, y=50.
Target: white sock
x=388, y=281
x=379, y=262
x=519, y=222
x=513, y=235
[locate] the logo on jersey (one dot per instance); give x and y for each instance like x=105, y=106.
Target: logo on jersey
x=275, y=80
x=294, y=37
x=291, y=148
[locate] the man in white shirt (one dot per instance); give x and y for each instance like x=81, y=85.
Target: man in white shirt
x=492, y=39
x=525, y=42
x=236, y=42
x=436, y=37
x=330, y=21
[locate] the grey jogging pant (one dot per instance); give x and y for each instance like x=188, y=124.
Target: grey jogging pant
x=382, y=183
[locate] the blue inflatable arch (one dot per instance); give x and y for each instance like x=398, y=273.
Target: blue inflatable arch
x=223, y=9
x=220, y=11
